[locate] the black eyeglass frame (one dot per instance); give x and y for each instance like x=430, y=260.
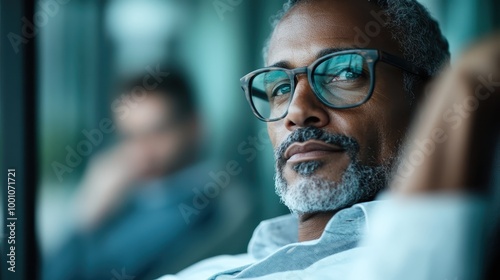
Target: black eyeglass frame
x=372, y=56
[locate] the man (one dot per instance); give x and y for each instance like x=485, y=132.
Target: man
x=341, y=82
x=159, y=134
x=128, y=221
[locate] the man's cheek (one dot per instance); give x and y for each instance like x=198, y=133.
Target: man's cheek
x=277, y=133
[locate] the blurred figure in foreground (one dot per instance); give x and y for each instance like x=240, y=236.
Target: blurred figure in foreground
x=129, y=220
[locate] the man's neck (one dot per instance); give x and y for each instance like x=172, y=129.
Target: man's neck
x=311, y=226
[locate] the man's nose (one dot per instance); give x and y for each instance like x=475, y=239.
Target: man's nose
x=305, y=108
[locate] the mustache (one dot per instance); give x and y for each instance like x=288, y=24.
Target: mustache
x=349, y=144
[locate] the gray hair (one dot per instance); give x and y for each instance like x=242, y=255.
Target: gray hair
x=412, y=27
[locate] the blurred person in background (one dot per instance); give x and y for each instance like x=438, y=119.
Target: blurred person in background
x=128, y=219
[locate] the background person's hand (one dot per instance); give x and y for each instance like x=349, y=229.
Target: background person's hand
x=107, y=180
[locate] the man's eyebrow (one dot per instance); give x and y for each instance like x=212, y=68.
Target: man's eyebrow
x=329, y=51
x=281, y=64
x=286, y=64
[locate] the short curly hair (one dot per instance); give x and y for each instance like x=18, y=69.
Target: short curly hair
x=412, y=27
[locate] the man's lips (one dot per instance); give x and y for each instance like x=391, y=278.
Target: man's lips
x=310, y=150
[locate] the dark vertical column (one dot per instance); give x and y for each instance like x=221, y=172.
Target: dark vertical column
x=18, y=139
x=496, y=19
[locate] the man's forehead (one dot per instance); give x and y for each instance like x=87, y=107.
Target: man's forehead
x=308, y=30
x=291, y=57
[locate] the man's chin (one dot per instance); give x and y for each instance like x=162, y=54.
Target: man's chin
x=328, y=188
x=312, y=194
x=318, y=169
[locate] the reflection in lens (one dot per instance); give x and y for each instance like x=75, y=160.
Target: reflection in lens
x=270, y=92
x=342, y=80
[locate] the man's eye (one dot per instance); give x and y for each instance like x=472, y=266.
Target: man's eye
x=345, y=75
x=281, y=89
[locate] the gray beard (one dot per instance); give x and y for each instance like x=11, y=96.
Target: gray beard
x=313, y=193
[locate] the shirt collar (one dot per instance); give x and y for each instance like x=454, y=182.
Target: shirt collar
x=275, y=233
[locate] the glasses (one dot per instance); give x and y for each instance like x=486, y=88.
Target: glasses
x=340, y=80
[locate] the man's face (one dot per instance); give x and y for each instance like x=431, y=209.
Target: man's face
x=331, y=158
x=154, y=138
